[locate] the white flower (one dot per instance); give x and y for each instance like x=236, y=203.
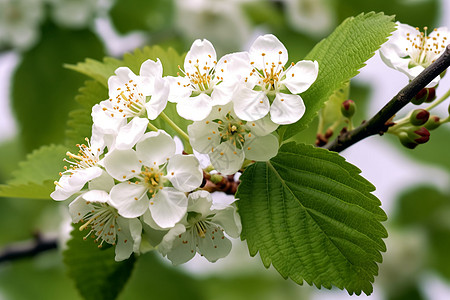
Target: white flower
x=19, y=22
x=132, y=96
x=269, y=87
x=201, y=230
x=84, y=166
x=410, y=51
x=229, y=140
x=94, y=209
x=73, y=13
x=205, y=82
x=153, y=177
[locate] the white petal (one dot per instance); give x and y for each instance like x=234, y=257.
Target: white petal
x=183, y=248
x=64, y=189
x=184, y=172
x=226, y=158
x=168, y=207
x=169, y=238
x=201, y=54
x=214, y=245
x=123, y=75
x=222, y=94
x=204, y=135
x=104, y=122
x=261, y=148
x=150, y=71
x=155, y=148
x=250, y=105
x=129, y=134
x=271, y=47
x=130, y=199
x=120, y=164
x=230, y=221
x=128, y=238
x=96, y=196
x=233, y=67
x=200, y=202
x=262, y=126
x=180, y=88
x=158, y=100
x=104, y=182
x=194, y=108
x=287, y=109
x=300, y=76
x=78, y=208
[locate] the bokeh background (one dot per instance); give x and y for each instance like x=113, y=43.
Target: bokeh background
x=37, y=37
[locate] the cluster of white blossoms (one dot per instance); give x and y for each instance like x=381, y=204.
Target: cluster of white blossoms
x=410, y=51
x=132, y=189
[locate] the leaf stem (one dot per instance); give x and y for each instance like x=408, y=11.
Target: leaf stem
x=183, y=135
x=439, y=101
x=380, y=123
x=152, y=127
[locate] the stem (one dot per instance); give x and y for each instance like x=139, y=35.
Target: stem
x=183, y=135
x=152, y=127
x=380, y=123
x=439, y=101
x=27, y=249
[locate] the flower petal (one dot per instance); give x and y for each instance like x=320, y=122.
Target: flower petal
x=214, y=245
x=96, y=196
x=200, y=202
x=194, y=108
x=261, y=148
x=155, y=148
x=287, y=109
x=204, y=135
x=227, y=158
x=78, y=208
x=229, y=220
x=128, y=238
x=262, y=126
x=104, y=182
x=120, y=164
x=129, y=134
x=250, y=105
x=158, y=100
x=104, y=122
x=183, y=247
x=300, y=76
x=150, y=72
x=184, y=172
x=168, y=207
x=202, y=54
x=129, y=199
x=180, y=88
x=267, y=50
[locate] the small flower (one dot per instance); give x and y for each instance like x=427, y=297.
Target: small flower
x=94, y=209
x=132, y=96
x=270, y=87
x=153, y=177
x=410, y=51
x=84, y=166
x=202, y=230
x=204, y=83
x=229, y=140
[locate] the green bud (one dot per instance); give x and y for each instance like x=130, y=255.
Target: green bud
x=420, y=98
x=431, y=95
x=216, y=178
x=432, y=123
x=406, y=140
x=421, y=135
x=348, y=108
x=419, y=117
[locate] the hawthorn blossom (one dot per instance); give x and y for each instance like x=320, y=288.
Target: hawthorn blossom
x=410, y=51
x=154, y=178
x=269, y=87
x=229, y=140
x=94, y=210
x=204, y=82
x=202, y=230
x=132, y=96
x=83, y=167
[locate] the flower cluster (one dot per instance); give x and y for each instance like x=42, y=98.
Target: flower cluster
x=130, y=185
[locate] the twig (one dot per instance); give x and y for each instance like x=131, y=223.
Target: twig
x=380, y=123
x=27, y=249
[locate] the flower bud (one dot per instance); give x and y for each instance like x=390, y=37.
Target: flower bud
x=422, y=135
x=406, y=140
x=348, y=108
x=432, y=123
x=421, y=96
x=419, y=117
x=431, y=95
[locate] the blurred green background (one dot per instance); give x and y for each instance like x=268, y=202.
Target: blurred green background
x=37, y=94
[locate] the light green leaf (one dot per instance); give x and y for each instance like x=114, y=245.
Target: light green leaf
x=95, y=69
x=34, y=177
x=340, y=56
x=95, y=272
x=310, y=214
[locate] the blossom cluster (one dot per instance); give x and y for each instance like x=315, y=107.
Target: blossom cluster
x=131, y=186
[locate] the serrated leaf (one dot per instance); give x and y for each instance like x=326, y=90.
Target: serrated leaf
x=310, y=214
x=340, y=56
x=34, y=177
x=95, y=272
x=100, y=71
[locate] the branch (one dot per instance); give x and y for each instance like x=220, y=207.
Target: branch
x=27, y=249
x=379, y=124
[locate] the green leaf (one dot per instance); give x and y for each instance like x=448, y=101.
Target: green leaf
x=43, y=91
x=310, y=214
x=340, y=56
x=95, y=272
x=34, y=177
x=95, y=69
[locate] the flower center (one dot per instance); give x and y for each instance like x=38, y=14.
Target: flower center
x=153, y=179
x=196, y=221
x=102, y=221
x=129, y=102
x=202, y=79
x=86, y=157
x=232, y=129
x=424, y=49
x=269, y=78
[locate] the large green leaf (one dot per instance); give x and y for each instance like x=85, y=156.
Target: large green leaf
x=34, y=177
x=340, y=56
x=309, y=213
x=95, y=272
x=43, y=91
